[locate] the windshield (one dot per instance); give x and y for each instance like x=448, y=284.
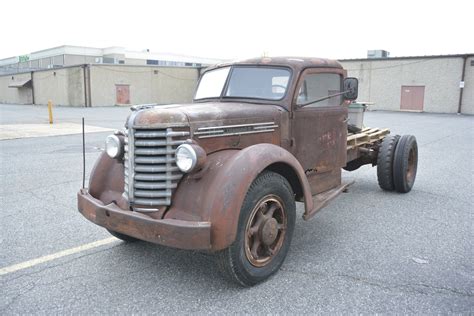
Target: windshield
x=212, y=83
x=245, y=82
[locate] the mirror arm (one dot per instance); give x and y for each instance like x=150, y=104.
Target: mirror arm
x=324, y=98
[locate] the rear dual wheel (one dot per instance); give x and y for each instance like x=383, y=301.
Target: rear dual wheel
x=385, y=160
x=405, y=164
x=266, y=224
x=397, y=163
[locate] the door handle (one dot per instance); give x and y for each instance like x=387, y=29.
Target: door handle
x=292, y=142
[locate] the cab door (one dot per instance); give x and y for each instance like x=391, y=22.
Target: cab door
x=319, y=129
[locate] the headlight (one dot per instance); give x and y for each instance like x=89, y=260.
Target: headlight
x=190, y=157
x=114, y=146
x=186, y=158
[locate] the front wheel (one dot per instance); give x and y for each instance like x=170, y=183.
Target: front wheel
x=122, y=236
x=266, y=224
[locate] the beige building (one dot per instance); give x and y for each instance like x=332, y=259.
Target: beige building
x=439, y=84
x=100, y=85
x=88, y=76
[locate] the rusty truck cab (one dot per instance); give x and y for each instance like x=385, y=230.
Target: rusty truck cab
x=314, y=133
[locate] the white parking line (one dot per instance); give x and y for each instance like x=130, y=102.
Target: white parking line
x=57, y=255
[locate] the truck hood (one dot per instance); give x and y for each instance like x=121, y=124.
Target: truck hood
x=198, y=115
x=217, y=126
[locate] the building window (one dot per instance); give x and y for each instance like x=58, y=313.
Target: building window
x=151, y=62
x=121, y=62
x=108, y=60
x=188, y=64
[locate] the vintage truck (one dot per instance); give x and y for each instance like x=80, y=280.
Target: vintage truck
x=222, y=174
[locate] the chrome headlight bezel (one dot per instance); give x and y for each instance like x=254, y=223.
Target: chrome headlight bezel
x=114, y=146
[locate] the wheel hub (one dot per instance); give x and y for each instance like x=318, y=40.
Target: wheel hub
x=265, y=231
x=269, y=231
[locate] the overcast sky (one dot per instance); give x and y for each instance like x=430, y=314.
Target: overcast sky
x=240, y=29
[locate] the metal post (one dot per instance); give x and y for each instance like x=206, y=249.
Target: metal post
x=462, y=80
x=83, y=155
x=32, y=88
x=50, y=111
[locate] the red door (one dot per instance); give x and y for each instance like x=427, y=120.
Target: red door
x=122, y=93
x=412, y=98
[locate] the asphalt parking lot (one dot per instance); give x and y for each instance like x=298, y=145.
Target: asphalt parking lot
x=369, y=251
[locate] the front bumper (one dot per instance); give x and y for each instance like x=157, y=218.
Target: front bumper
x=168, y=232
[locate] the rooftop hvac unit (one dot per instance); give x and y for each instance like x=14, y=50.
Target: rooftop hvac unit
x=378, y=53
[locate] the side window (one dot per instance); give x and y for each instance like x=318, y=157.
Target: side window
x=318, y=86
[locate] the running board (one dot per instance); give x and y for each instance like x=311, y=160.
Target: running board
x=322, y=199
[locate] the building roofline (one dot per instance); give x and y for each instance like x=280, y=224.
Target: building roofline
x=99, y=65
x=99, y=52
x=409, y=57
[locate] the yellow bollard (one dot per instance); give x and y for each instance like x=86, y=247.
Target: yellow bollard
x=50, y=111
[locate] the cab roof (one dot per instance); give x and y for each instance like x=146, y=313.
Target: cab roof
x=296, y=63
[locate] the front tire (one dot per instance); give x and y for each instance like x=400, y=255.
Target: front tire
x=123, y=237
x=266, y=224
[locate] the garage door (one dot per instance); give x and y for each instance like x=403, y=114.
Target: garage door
x=412, y=98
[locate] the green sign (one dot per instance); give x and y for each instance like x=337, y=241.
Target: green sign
x=23, y=58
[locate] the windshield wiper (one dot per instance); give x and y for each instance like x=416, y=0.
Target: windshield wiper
x=323, y=98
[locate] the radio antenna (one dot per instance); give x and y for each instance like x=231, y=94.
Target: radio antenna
x=83, y=155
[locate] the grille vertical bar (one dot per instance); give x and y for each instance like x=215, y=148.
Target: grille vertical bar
x=170, y=158
x=151, y=173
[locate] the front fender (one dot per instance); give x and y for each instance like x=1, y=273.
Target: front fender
x=106, y=182
x=216, y=193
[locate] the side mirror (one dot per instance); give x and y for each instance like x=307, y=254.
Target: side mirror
x=351, y=88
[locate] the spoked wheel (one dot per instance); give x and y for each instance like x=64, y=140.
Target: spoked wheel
x=265, y=231
x=266, y=224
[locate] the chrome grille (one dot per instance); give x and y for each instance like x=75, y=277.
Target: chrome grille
x=151, y=173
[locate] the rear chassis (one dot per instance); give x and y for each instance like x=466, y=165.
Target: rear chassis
x=362, y=147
